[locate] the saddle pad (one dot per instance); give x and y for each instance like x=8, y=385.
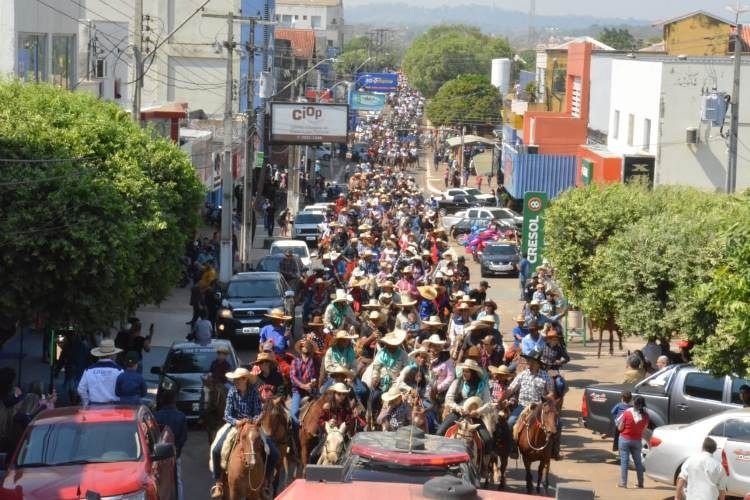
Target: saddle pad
x=227, y=447
x=521, y=421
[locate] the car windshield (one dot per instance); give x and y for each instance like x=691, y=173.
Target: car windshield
x=500, y=213
x=473, y=191
x=309, y=218
x=192, y=360
x=299, y=251
x=79, y=443
x=260, y=289
x=499, y=250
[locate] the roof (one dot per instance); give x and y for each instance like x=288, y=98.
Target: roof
x=655, y=47
x=78, y=414
x=692, y=14
x=584, y=39
x=469, y=139
x=321, y=3
x=302, y=41
x=168, y=110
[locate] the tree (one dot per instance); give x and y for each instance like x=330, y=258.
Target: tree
x=447, y=51
x=96, y=212
x=465, y=99
x=618, y=38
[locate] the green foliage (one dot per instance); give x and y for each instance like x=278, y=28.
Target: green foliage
x=619, y=39
x=465, y=99
x=356, y=54
x=444, y=52
x=87, y=240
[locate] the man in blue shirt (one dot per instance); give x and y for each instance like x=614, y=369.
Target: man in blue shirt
x=130, y=386
x=276, y=333
x=520, y=331
x=533, y=341
x=170, y=416
x=523, y=273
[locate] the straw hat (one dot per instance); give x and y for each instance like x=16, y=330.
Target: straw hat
x=340, y=370
x=375, y=317
x=106, y=348
x=434, y=339
x=386, y=284
x=428, y=292
x=339, y=387
x=478, y=325
x=343, y=335
x=520, y=318
x=394, y=338
x=470, y=364
x=501, y=370
x=472, y=403
x=419, y=350
x=265, y=356
x=316, y=321
x=433, y=321
x=278, y=314
x=358, y=282
x=488, y=320
x=341, y=296
x=371, y=304
x=463, y=306
x=331, y=255
x=238, y=373
x=393, y=393
x=406, y=300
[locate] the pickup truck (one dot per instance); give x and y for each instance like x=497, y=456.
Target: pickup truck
x=677, y=394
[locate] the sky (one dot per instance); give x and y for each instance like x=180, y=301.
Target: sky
x=638, y=9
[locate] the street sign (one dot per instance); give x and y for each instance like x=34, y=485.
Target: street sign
x=378, y=82
x=367, y=101
x=534, y=204
x=638, y=168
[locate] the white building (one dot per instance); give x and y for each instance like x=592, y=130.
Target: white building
x=661, y=107
x=326, y=17
x=38, y=42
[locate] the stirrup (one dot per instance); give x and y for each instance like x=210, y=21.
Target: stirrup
x=217, y=491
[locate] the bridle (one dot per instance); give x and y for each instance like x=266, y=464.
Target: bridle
x=251, y=461
x=339, y=447
x=542, y=426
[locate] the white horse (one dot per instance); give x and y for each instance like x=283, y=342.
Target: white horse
x=334, y=444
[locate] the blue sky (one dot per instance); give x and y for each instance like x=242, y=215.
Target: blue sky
x=639, y=9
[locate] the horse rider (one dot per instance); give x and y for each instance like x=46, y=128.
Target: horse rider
x=396, y=412
x=243, y=405
x=267, y=378
x=275, y=334
x=304, y=376
x=554, y=356
x=416, y=377
x=386, y=367
x=339, y=312
x=338, y=409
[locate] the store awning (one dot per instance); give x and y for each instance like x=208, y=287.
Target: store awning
x=469, y=139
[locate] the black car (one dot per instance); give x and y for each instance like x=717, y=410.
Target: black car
x=248, y=297
x=467, y=225
x=183, y=370
x=459, y=202
x=272, y=263
x=499, y=258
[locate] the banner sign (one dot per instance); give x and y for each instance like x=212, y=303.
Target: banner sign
x=638, y=169
x=587, y=171
x=378, y=82
x=308, y=123
x=367, y=101
x=534, y=204
x=260, y=157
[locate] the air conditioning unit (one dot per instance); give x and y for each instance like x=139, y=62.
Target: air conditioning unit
x=691, y=135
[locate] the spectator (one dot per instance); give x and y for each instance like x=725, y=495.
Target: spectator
x=701, y=476
x=631, y=425
x=97, y=384
x=625, y=398
x=203, y=330
x=745, y=395
x=634, y=372
x=170, y=416
x=130, y=386
x=661, y=362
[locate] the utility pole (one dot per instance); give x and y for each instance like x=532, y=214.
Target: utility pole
x=735, y=123
x=248, y=201
x=137, y=52
x=461, y=157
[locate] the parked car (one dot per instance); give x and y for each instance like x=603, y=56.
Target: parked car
x=499, y=258
x=248, y=297
x=449, y=194
x=306, y=227
x=322, y=153
x=466, y=226
x=458, y=202
x=112, y=451
x=677, y=394
x=298, y=248
x=670, y=445
x=490, y=213
x=183, y=370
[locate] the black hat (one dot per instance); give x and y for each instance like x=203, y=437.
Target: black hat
x=534, y=355
x=132, y=358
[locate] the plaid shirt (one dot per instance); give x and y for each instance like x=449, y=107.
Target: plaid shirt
x=531, y=388
x=239, y=406
x=498, y=390
x=395, y=418
x=302, y=372
x=551, y=355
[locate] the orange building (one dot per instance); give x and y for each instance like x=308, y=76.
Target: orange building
x=597, y=165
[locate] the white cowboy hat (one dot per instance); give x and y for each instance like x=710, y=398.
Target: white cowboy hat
x=342, y=296
x=470, y=364
x=472, y=403
x=238, y=373
x=331, y=256
x=433, y=321
x=418, y=350
x=106, y=348
x=434, y=339
x=339, y=387
x=343, y=335
x=500, y=370
x=394, y=338
x=340, y=370
x=278, y=314
x=358, y=272
x=392, y=393
x=406, y=300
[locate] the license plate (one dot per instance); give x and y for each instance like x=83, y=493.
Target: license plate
x=502, y=267
x=196, y=407
x=251, y=329
x=310, y=238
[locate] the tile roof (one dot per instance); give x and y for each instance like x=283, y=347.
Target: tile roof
x=302, y=41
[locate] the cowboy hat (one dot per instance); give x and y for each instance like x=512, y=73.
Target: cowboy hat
x=428, y=292
x=277, y=314
x=343, y=335
x=265, y=356
x=534, y=355
x=472, y=403
x=433, y=321
x=463, y=306
x=473, y=352
x=371, y=304
x=340, y=370
x=419, y=350
x=238, y=373
x=106, y=348
x=487, y=319
x=316, y=321
x=406, y=300
x=385, y=296
x=339, y=387
x=358, y=282
x=477, y=325
x=394, y=338
x=331, y=255
x=341, y=296
x=364, y=227
x=434, y=339
x=392, y=393
x=375, y=317
x=470, y=364
x=386, y=284
x=520, y=318
x=501, y=370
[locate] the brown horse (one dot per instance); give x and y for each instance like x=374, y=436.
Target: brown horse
x=466, y=430
x=275, y=424
x=246, y=469
x=535, y=441
x=308, y=430
x=214, y=399
x=499, y=459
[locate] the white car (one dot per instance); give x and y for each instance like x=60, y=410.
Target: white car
x=450, y=193
x=670, y=445
x=490, y=213
x=298, y=248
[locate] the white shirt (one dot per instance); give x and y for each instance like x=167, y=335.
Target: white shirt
x=97, y=384
x=705, y=477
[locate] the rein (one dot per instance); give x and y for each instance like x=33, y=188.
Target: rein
x=250, y=463
x=546, y=432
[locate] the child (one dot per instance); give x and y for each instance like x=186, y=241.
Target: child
x=618, y=410
x=501, y=376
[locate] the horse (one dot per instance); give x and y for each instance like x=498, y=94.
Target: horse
x=334, y=444
x=246, y=469
x=214, y=400
x=275, y=424
x=466, y=430
x=308, y=430
x=535, y=442
x=499, y=459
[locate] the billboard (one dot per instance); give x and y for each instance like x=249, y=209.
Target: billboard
x=532, y=242
x=308, y=123
x=378, y=82
x=367, y=101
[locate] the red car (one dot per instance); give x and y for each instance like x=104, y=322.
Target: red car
x=113, y=451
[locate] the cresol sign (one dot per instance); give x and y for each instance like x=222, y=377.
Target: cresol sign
x=534, y=204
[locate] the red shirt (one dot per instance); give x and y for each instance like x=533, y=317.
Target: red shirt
x=633, y=431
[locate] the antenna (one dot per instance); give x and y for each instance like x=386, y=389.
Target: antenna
x=737, y=9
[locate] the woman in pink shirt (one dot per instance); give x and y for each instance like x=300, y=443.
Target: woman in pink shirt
x=631, y=425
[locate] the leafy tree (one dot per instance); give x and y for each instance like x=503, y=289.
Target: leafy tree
x=96, y=212
x=618, y=38
x=359, y=53
x=447, y=51
x=465, y=99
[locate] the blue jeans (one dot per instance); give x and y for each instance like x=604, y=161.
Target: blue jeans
x=273, y=454
x=630, y=448
x=294, y=410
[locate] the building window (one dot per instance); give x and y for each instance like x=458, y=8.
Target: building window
x=330, y=43
x=616, y=126
x=32, y=57
x=286, y=20
x=315, y=21
x=646, y=134
x=631, y=127
x=333, y=21
x=304, y=18
x=559, y=77
x=63, y=67
x=296, y=17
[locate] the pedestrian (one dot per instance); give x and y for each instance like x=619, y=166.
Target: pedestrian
x=489, y=180
x=131, y=339
x=97, y=384
x=74, y=358
x=625, y=399
x=130, y=386
x=701, y=476
x=631, y=425
x=523, y=274
x=202, y=330
x=446, y=175
x=170, y=416
x=196, y=302
x=479, y=182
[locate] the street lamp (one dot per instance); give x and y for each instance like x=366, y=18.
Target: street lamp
x=360, y=66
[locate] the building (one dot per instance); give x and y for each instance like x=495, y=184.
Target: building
x=325, y=17
x=700, y=33
x=39, y=43
x=294, y=54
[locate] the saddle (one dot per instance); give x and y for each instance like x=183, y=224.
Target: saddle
x=478, y=443
x=227, y=447
x=522, y=418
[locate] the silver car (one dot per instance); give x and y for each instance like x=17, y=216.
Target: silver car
x=670, y=445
